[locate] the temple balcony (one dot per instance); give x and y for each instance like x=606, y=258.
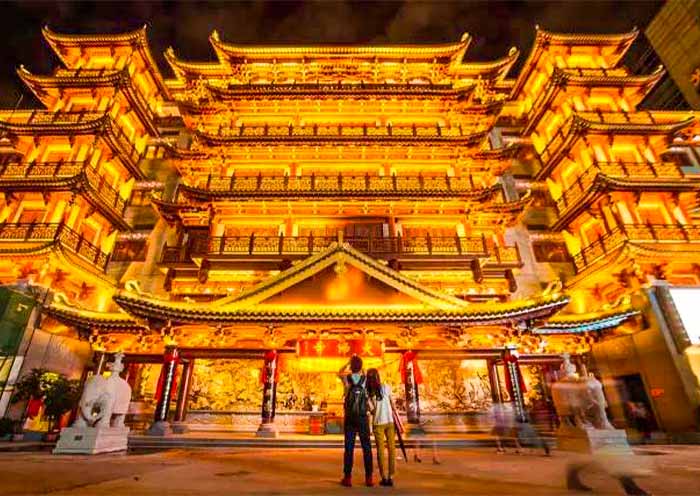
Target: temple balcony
x=610, y=176
x=36, y=238
x=580, y=124
x=247, y=133
x=69, y=176
x=656, y=242
x=444, y=252
x=50, y=89
x=41, y=122
x=312, y=185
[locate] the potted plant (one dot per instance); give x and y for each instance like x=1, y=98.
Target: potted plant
x=60, y=396
x=57, y=393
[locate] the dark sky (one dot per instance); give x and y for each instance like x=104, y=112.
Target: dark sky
x=494, y=25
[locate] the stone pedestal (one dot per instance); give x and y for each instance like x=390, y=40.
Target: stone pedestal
x=179, y=427
x=160, y=428
x=92, y=440
x=608, y=441
x=414, y=430
x=267, y=430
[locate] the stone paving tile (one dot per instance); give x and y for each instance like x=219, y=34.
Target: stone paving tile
x=316, y=472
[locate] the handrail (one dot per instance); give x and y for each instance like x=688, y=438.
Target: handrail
x=620, y=170
x=349, y=131
x=339, y=182
x=46, y=117
x=636, y=233
x=379, y=247
x=55, y=233
x=64, y=169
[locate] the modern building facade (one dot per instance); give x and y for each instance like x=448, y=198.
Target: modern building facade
x=241, y=229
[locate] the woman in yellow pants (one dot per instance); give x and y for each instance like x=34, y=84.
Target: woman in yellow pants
x=381, y=409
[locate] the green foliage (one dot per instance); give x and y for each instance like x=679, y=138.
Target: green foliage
x=59, y=393
x=61, y=396
x=30, y=386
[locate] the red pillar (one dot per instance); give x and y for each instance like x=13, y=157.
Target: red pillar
x=269, y=399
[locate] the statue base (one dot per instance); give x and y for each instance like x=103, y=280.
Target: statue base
x=160, y=428
x=609, y=441
x=92, y=440
x=267, y=430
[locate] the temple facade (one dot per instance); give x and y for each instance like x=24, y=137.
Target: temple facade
x=241, y=228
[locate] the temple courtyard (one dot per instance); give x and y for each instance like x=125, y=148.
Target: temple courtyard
x=317, y=471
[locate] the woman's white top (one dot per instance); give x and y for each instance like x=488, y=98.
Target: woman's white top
x=382, y=408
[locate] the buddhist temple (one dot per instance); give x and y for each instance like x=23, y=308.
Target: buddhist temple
x=241, y=226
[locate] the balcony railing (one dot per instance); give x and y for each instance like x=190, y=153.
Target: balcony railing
x=338, y=183
x=381, y=247
x=48, y=118
x=65, y=170
x=619, y=170
x=636, y=233
x=55, y=233
x=341, y=131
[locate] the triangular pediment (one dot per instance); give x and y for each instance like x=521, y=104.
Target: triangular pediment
x=340, y=277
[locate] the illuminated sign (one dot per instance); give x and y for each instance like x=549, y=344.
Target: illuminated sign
x=339, y=348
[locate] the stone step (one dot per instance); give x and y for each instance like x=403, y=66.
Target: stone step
x=175, y=442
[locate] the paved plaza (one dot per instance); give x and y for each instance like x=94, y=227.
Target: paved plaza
x=317, y=471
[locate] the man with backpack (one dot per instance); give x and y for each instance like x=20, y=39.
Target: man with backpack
x=356, y=419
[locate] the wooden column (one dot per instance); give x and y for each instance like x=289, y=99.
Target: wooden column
x=184, y=391
x=161, y=426
x=494, y=382
x=512, y=369
x=411, y=389
x=269, y=397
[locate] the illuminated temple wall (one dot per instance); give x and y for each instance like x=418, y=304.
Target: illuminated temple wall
x=535, y=207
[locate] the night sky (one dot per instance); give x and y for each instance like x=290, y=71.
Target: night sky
x=495, y=26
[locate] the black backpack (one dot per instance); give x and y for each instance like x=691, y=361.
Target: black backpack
x=356, y=401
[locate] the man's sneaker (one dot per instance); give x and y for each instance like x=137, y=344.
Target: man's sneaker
x=384, y=482
x=390, y=482
x=369, y=482
x=346, y=481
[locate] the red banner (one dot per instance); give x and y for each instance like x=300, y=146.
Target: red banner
x=339, y=348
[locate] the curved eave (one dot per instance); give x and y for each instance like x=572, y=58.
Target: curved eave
x=202, y=194
x=74, y=183
x=505, y=152
x=161, y=310
x=192, y=70
x=577, y=324
x=399, y=52
x=581, y=126
x=171, y=211
x=331, y=90
x=135, y=39
x=471, y=139
x=89, y=319
x=511, y=207
x=496, y=70
x=87, y=127
x=562, y=78
x=603, y=183
x=116, y=79
x=544, y=39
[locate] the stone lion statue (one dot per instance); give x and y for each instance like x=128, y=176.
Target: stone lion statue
x=579, y=401
x=105, y=401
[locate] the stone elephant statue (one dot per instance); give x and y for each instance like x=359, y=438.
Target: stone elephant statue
x=105, y=401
